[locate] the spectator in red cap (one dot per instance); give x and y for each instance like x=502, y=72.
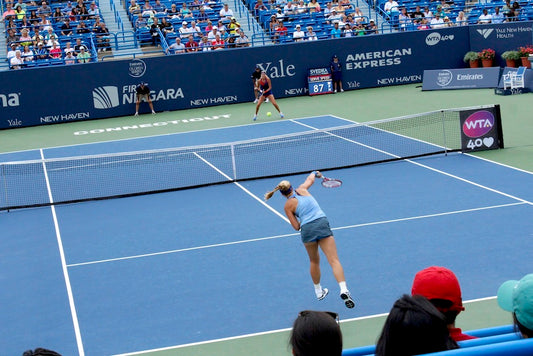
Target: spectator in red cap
x=441, y=287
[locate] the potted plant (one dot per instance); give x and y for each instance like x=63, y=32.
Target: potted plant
x=487, y=57
x=472, y=58
x=525, y=52
x=510, y=58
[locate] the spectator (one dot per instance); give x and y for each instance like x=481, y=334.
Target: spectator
x=423, y=24
x=358, y=15
x=497, y=17
x=327, y=9
x=184, y=30
x=428, y=14
x=347, y=31
x=79, y=44
x=177, y=47
x=301, y=8
x=17, y=61
x=209, y=27
x=259, y=6
x=134, y=8
x=195, y=30
x=224, y=35
x=174, y=13
x=55, y=51
x=316, y=333
x=289, y=10
x=51, y=41
x=298, y=34
x=202, y=16
x=273, y=23
x=83, y=56
x=27, y=54
x=441, y=287
x=191, y=45
x=25, y=39
x=83, y=12
x=313, y=6
x=66, y=28
x=19, y=12
x=234, y=26
x=226, y=12
x=45, y=23
x=417, y=14
x=211, y=35
x=154, y=31
x=242, y=40
x=340, y=10
x=102, y=38
x=335, y=31
x=148, y=10
x=185, y=11
x=44, y=9
x=205, y=45
x=359, y=30
x=517, y=298
x=68, y=48
x=281, y=31
x=12, y=51
x=41, y=52
x=21, y=4
x=141, y=22
x=461, y=19
x=484, y=18
x=218, y=43
x=58, y=15
x=404, y=20
x=220, y=25
x=391, y=6
x=143, y=93
x=310, y=34
x=160, y=8
x=336, y=74
x=93, y=11
x=437, y=22
x=440, y=11
x=414, y=326
x=371, y=28
x=67, y=9
x=11, y=36
x=69, y=58
x=82, y=28
x=334, y=16
x=74, y=14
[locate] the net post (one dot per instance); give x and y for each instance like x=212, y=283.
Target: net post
x=234, y=165
x=444, y=132
x=499, y=125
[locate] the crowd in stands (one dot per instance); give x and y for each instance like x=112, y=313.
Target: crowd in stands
x=197, y=26
x=62, y=33
x=418, y=323
x=447, y=13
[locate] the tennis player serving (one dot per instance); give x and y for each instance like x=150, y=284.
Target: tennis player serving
x=265, y=88
x=306, y=216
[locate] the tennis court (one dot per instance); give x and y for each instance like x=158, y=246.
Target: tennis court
x=164, y=270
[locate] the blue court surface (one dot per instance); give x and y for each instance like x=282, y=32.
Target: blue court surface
x=162, y=270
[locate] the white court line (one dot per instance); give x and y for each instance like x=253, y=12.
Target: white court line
x=430, y=168
x=73, y=312
x=231, y=338
x=288, y=235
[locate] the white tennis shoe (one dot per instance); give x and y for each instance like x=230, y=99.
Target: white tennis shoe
x=325, y=292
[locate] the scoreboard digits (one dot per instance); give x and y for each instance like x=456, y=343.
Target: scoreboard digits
x=319, y=81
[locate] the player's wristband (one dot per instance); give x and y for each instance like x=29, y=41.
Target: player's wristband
x=315, y=173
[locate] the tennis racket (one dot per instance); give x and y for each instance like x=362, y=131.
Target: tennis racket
x=331, y=182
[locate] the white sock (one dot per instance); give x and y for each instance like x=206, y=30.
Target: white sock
x=318, y=290
x=343, y=287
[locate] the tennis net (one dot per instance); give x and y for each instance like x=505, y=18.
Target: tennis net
x=74, y=179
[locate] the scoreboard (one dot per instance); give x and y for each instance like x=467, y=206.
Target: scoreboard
x=319, y=81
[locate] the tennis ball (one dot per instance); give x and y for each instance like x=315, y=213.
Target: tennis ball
x=269, y=113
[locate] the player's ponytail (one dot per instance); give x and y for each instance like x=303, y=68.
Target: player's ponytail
x=283, y=186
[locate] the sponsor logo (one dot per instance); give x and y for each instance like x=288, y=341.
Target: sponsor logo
x=376, y=59
x=478, y=124
x=105, y=97
x=399, y=80
x=50, y=119
x=435, y=37
x=296, y=91
x=14, y=123
x=485, y=32
x=470, y=76
x=278, y=69
x=444, y=78
x=153, y=124
x=511, y=31
x=11, y=99
x=217, y=100
x=319, y=71
x=137, y=68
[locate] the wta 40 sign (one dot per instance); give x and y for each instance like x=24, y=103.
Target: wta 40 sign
x=481, y=129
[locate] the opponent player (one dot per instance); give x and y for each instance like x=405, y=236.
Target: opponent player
x=143, y=92
x=306, y=216
x=265, y=86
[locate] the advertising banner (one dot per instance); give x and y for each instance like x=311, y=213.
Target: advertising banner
x=468, y=78
x=481, y=129
x=41, y=96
